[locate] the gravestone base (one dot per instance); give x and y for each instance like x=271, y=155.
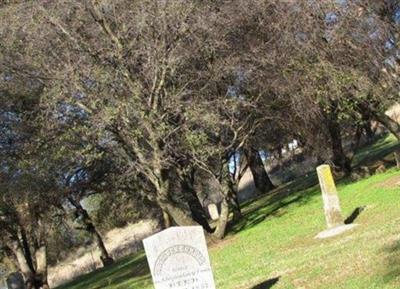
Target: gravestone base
x=335, y=231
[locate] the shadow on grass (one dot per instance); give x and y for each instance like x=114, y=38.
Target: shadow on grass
x=377, y=151
x=257, y=210
x=267, y=284
x=120, y=272
x=354, y=215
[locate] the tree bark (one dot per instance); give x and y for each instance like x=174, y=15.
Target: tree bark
x=105, y=257
x=233, y=197
x=26, y=249
x=166, y=219
x=393, y=127
x=23, y=265
x=41, y=265
x=261, y=179
x=369, y=132
x=388, y=122
x=397, y=158
x=339, y=157
x=178, y=215
x=366, y=124
x=357, y=138
x=223, y=220
x=219, y=232
x=234, y=203
x=196, y=208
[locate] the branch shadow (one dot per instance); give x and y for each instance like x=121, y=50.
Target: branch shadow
x=267, y=284
x=275, y=203
x=134, y=269
x=354, y=215
x=376, y=151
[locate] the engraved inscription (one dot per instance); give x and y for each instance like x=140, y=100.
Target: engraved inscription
x=178, y=259
x=174, y=250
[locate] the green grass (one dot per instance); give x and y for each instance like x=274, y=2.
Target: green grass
x=274, y=244
x=377, y=151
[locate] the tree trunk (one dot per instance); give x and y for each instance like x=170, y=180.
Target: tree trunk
x=91, y=229
x=219, y=232
x=261, y=179
x=196, y=208
x=23, y=265
x=198, y=213
x=234, y=203
x=388, y=122
x=166, y=219
x=357, y=138
x=224, y=182
x=233, y=198
x=366, y=123
x=178, y=215
x=41, y=265
x=26, y=249
x=106, y=259
x=339, y=157
x=369, y=132
x=397, y=158
x=393, y=127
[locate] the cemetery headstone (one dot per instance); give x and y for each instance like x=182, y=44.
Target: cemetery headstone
x=330, y=197
x=178, y=259
x=15, y=281
x=213, y=211
x=333, y=214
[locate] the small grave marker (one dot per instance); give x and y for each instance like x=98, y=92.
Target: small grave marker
x=178, y=259
x=333, y=214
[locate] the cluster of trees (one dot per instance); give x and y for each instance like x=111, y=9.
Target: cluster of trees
x=156, y=98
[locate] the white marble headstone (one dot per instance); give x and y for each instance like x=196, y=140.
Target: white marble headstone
x=178, y=259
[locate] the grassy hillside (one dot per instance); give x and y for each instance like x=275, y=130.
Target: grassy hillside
x=274, y=246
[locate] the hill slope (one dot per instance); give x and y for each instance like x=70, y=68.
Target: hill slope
x=274, y=246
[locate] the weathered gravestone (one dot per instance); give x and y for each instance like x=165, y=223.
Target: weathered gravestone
x=333, y=214
x=15, y=281
x=178, y=259
x=213, y=211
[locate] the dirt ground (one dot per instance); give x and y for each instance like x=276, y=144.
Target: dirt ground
x=390, y=183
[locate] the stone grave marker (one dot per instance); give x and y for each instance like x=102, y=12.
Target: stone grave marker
x=333, y=214
x=213, y=211
x=178, y=259
x=330, y=197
